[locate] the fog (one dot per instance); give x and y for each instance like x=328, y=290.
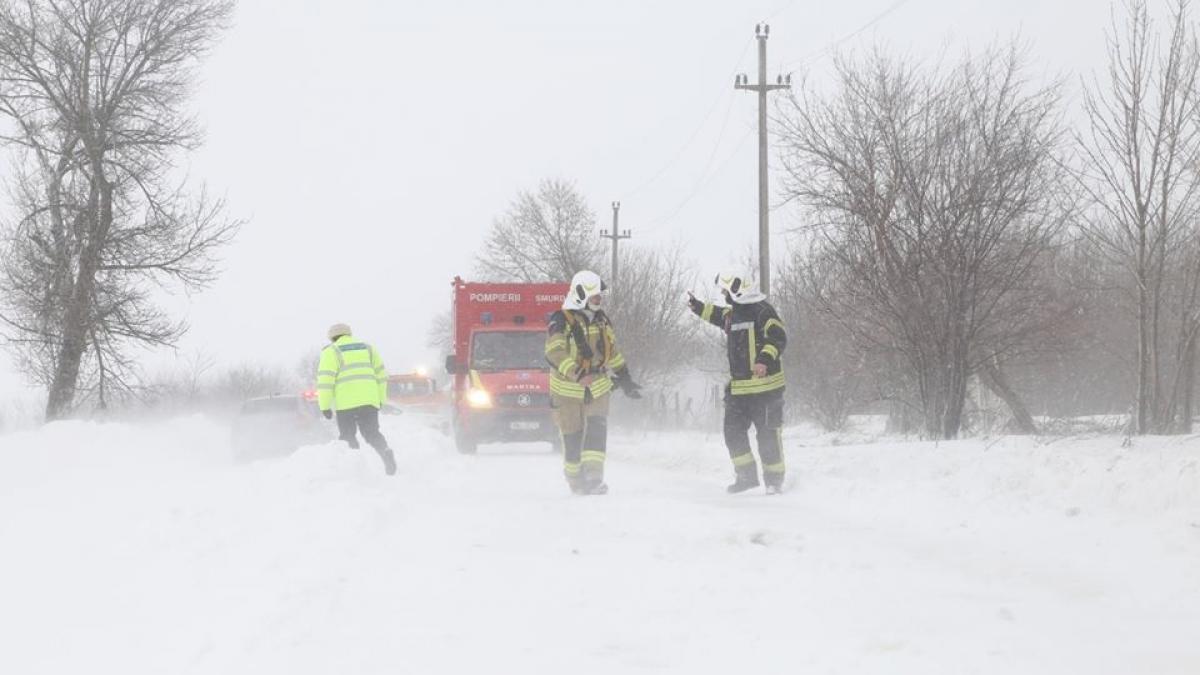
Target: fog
x=228, y=519
x=369, y=145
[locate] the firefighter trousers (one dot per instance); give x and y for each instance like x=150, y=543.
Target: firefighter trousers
x=765, y=413
x=584, y=429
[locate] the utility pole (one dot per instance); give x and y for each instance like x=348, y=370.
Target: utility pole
x=761, y=31
x=616, y=236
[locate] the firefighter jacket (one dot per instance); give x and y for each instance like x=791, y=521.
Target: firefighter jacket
x=577, y=346
x=350, y=375
x=754, y=334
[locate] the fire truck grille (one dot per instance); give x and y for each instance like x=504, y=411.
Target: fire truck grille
x=530, y=400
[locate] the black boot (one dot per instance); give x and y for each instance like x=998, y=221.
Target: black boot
x=576, y=485
x=389, y=461
x=747, y=478
x=774, y=482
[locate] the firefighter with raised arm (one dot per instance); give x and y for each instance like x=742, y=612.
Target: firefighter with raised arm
x=581, y=347
x=755, y=340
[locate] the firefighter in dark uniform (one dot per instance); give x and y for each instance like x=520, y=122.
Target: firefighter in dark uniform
x=755, y=340
x=581, y=348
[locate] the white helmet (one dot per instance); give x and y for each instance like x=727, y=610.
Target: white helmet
x=739, y=288
x=584, y=285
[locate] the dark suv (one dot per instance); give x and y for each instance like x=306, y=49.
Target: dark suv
x=275, y=426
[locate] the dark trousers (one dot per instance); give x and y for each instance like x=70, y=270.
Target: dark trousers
x=765, y=413
x=364, y=419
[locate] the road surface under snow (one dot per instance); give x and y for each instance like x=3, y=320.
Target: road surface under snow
x=131, y=549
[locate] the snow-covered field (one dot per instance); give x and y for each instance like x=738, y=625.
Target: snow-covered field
x=147, y=550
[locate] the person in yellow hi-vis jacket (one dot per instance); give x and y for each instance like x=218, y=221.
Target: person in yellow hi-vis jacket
x=352, y=382
x=581, y=346
x=755, y=340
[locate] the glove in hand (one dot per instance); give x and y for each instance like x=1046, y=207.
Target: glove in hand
x=624, y=380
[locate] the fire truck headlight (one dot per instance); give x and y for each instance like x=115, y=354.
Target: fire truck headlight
x=479, y=398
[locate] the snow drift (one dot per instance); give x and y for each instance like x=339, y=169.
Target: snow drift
x=148, y=550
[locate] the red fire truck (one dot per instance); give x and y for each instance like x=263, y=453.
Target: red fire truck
x=501, y=387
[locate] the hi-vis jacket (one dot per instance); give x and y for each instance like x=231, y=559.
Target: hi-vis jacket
x=577, y=346
x=754, y=335
x=350, y=375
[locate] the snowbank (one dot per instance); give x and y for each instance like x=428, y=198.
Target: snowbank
x=148, y=550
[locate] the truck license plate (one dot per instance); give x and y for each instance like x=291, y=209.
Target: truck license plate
x=524, y=426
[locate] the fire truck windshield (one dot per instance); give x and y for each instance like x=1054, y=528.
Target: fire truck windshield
x=524, y=350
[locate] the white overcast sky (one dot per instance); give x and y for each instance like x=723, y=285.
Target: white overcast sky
x=370, y=143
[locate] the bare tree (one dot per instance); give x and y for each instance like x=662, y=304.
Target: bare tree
x=1141, y=155
x=547, y=235
x=197, y=387
x=248, y=381
x=304, y=369
x=936, y=193
x=440, y=334
x=831, y=373
x=93, y=93
x=654, y=325
x=550, y=235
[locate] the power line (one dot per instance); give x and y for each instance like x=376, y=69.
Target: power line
x=704, y=180
x=695, y=132
x=704, y=177
x=849, y=36
x=773, y=15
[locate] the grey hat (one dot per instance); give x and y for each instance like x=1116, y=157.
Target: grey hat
x=337, y=330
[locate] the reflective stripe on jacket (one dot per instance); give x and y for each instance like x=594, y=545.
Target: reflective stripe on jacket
x=754, y=334
x=350, y=375
x=577, y=346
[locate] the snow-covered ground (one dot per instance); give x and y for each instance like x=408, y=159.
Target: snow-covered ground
x=147, y=550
